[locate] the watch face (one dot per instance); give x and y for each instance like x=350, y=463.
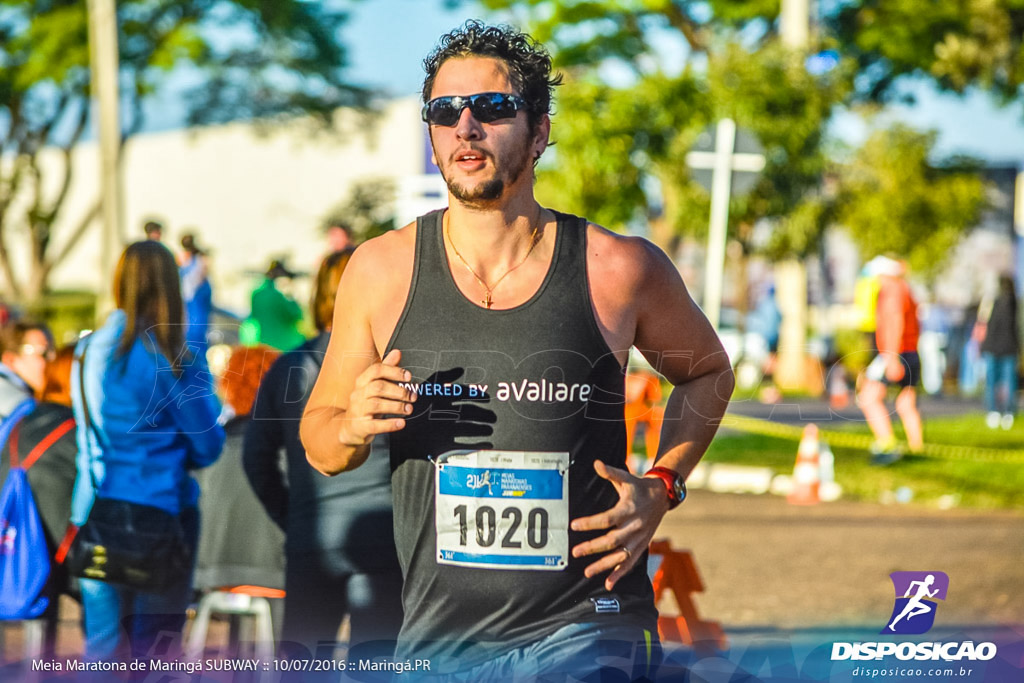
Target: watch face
x=679, y=489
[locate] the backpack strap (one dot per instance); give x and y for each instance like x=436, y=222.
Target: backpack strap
x=11, y=421
x=43, y=445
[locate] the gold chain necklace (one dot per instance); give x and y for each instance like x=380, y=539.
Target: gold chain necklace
x=488, y=300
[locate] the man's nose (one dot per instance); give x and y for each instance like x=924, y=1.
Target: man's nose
x=468, y=128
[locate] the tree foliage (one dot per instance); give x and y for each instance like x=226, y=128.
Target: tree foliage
x=618, y=141
x=957, y=43
x=251, y=58
x=893, y=200
x=367, y=208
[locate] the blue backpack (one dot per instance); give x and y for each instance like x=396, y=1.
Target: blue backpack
x=24, y=556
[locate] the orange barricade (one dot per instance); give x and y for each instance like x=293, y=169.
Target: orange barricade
x=678, y=574
x=643, y=398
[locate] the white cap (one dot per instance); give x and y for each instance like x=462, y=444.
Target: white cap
x=883, y=265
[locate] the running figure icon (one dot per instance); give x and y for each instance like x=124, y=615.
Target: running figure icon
x=916, y=606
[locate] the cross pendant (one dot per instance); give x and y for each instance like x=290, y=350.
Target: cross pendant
x=487, y=300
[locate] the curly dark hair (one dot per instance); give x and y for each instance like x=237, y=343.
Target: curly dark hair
x=529, y=64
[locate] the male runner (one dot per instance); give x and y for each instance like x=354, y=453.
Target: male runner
x=501, y=325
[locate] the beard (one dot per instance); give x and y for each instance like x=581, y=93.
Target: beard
x=491, y=190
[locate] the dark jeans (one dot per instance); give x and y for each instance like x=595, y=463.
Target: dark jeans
x=113, y=612
x=1000, y=370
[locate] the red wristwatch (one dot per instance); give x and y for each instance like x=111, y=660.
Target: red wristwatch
x=675, y=487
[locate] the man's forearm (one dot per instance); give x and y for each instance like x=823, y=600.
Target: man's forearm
x=322, y=435
x=692, y=416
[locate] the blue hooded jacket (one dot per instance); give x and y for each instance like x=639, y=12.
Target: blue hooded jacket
x=150, y=427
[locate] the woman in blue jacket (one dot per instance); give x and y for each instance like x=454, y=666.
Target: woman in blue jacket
x=154, y=416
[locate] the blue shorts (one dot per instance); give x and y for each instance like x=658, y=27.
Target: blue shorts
x=589, y=651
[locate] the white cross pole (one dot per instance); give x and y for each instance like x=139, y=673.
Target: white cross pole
x=722, y=162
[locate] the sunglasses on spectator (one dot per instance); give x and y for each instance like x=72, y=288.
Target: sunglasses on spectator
x=486, y=107
x=46, y=352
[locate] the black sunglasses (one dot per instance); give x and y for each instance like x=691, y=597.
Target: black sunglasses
x=485, y=107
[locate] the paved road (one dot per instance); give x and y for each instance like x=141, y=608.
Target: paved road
x=769, y=565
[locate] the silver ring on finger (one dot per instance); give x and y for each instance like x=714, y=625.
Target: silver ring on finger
x=626, y=550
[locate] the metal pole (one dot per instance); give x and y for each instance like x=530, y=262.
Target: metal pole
x=721, y=188
x=103, y=58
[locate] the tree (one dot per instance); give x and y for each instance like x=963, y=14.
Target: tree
x=736, y=67
x=618, y=142
x=257, y=59
x=368, y=208
x=956, y=43
x=893, y=200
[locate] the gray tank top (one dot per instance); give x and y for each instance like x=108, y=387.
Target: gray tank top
x=537, y=377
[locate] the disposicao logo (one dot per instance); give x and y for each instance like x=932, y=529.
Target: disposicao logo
x=916, y=595
x=913, y=614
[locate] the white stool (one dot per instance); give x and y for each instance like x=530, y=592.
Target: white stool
x=33, y=633
x=236, y=604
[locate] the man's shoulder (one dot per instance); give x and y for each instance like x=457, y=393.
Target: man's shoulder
x=378, y=256
x=626, y=259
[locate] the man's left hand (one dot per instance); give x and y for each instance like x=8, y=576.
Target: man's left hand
x=631, y=523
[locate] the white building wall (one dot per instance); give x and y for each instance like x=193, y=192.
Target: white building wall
x=249, y=195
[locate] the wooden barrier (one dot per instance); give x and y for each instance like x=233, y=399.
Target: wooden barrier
x=678, y=574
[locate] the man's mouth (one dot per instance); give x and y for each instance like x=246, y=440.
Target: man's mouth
x=469, y=159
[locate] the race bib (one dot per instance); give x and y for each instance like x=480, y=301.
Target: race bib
x=503, y=509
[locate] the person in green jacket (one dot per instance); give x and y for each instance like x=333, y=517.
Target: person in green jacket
x=275, y=316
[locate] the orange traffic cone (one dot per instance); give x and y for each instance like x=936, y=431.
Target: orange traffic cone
x=807, y=471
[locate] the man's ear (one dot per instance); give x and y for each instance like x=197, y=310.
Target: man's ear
x=433, y=157
x=541, y=136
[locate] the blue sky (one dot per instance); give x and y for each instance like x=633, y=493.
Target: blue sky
x=387, y=40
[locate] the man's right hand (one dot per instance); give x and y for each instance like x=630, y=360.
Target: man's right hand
x=894, y=369
x=377, y=402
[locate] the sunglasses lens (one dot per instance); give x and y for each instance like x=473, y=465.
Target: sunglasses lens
x=493, y=106
x=443, y=112
x=486, y=108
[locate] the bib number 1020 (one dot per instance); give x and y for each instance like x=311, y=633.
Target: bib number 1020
x=513, y=529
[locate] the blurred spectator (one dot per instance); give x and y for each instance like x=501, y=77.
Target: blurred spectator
x=765, y=321
x=970, y=366
x=339, y=236
x=196, y=292
x=44, y=442
x=1000, y=349
x=339, y=538
x=935, y=333
x=153, y=418
x=897, y=363
x=275, y=315
x=154, y=230
x=239, y=544
x=865, y=298
x=25, y=347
